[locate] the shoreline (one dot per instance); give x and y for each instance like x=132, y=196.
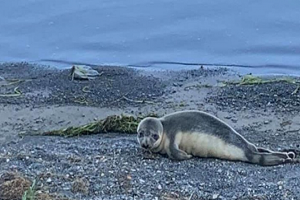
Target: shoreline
x=266, y=114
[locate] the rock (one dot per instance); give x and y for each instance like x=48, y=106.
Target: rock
x=159, y=187
x=215, y=196
x=234, y=120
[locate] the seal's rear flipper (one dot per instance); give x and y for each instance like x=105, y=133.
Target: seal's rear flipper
x=269, y=159
x=295, y=151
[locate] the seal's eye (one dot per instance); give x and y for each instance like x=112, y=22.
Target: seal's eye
x=141, y=134
x=155, y=137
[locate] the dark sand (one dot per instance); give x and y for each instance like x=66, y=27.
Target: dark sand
x=112, y=166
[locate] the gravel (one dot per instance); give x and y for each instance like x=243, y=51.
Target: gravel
x=112, y=166
x=49, y=86
x=277, y=97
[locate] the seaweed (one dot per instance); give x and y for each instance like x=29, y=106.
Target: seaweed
x=255, y=80
x=114, y=123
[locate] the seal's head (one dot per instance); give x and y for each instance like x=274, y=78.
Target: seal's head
x=149, y=133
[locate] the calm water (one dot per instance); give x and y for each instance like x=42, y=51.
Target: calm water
x=261, y=34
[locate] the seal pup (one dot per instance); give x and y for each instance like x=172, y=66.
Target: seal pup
x=184, y=134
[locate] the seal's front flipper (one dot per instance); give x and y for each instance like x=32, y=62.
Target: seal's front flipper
x=178, y=154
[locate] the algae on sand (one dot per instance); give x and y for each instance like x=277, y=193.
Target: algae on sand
x=114, y=123
x=254, y=80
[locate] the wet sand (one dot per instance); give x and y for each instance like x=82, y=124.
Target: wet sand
x=112, y=164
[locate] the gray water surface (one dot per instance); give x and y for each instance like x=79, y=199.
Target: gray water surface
x=261, y=34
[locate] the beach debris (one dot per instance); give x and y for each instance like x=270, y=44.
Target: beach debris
x=114, y=123
x=134, y=101
x=86, y=89
x=296, y=90
x=13, y=186
x=30, y=193
x=80, y=185
x=16, y=93
x=83, y=72
x=4, y=82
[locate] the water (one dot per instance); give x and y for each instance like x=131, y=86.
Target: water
x=261, y=34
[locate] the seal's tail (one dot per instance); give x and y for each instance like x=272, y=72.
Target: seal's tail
x=271, y=158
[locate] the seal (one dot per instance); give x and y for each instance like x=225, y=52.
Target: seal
x=192, y=133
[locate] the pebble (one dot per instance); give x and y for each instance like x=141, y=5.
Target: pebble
x=49, y=180
x=234, y=120
x=215, y=196
x=142, y=181
x=35, y=129
x=159, y=187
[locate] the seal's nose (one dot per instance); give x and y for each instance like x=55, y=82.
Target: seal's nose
x=146, y=146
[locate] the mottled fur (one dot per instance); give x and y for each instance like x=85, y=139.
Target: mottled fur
x=182, y=135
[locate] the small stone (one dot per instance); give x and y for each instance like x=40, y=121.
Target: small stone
x=234, y=120
x=215, y=196
x=38, y=121
x=280, y=183
x=142, y=181
x=159, y=187
x=49, y=180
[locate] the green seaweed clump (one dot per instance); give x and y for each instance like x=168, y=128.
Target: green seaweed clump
x=255, y=80
x=114, y=123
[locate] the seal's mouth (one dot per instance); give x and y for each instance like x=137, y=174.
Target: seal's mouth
x=145, y=143
x=145, y=146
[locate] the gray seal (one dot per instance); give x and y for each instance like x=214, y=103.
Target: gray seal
x=184, y=134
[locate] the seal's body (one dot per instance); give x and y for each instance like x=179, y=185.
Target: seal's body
x=182, y=135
